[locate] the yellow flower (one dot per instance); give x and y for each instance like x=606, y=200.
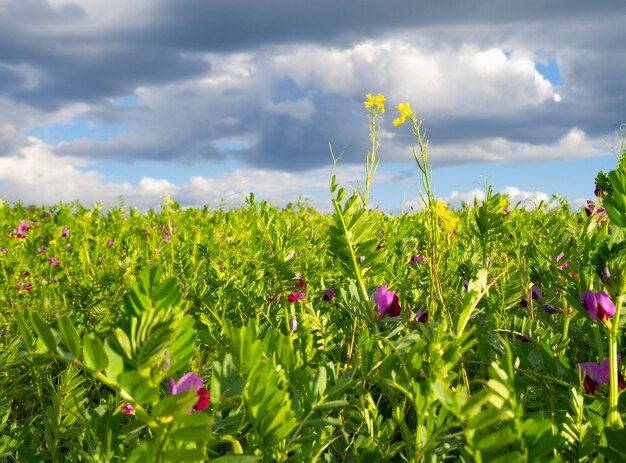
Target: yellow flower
x=504, y=203
x=375, y=101
x=446, y=218
x=405, y=111
x=167, y=200
x=52, y=242
x=87, y=216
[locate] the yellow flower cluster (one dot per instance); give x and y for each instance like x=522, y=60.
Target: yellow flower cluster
x=376, y=101
x=167, y=200
x=504, y=203
x=87, y=216
x=405, y=111
x=446, y=218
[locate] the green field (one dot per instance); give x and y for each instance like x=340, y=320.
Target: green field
x=266, y=334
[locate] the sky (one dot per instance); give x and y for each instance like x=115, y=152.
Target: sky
x=209, y=101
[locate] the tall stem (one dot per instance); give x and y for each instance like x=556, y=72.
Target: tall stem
x=614, y=418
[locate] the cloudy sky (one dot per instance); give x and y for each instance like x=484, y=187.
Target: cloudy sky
x=209, y=100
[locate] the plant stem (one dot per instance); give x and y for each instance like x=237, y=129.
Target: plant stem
x=614, y=418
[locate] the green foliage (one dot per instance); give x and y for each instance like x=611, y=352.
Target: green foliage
x=488, y=373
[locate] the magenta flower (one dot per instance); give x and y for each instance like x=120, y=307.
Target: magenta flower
x=128, y=409
x=295, y=296
x=187, y=382
x=599, y=305
x=421, y=316
x=4, y=250
x=110, y=242
x=596, y=375
x=65, y=232
x=21, y=229
x=329, y=294
x=558, y=258
x=54, y=262
x=387, y=301
x=415, y=259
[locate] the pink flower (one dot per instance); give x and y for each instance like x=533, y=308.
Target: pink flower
x=415, y=259
x=595, y=375
x=387, y=301
x=128, y=409
x=65, y=232
x=599, y=305
x=189, y=381
x=21, y=229
x=110, y=242
x=54, y=262
x=295, y=296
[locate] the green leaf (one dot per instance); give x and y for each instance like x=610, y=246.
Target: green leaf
x=184, y=455
x=21, y=325
x=69, y=336
x=44, y=332
x=236, y=459
x=95, y=355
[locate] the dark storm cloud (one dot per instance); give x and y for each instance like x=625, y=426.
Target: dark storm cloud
x=79, y=66
x=241, y=24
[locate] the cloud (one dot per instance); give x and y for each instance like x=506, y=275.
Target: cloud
x=267, y=85
x=35, y=175
x=456, y=199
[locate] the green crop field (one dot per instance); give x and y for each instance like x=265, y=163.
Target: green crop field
x=490, y=333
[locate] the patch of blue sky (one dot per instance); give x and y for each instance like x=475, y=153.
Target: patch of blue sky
x=74, y=130
x=230, y=145
x=548, y=67
x=571, y=178
x=176, y=173
x=130, y=100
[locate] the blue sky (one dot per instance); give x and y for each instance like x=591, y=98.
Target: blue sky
x=209, y=101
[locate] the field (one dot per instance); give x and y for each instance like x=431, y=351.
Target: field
x=490, y=333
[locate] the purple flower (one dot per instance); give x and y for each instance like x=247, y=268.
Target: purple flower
x=598, y=191
x=54, y=262
x=41, y=250
x=110, y=242
x=535, y=292
x=295, y=296
x=595, y=375
x=65, y=232
x=293, y=323
x=421, y=316
x=593, y=209
x=415, y=259
x=558, y=258
x=21, y=229
x=599, y=305
x=187, y=382
x=387, y=301
x=551, y=309
x=4, y=250
x=329, y=294
x=466, y=284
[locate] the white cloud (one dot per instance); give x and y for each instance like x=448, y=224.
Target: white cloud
x=459, y=80
x=526, y=199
